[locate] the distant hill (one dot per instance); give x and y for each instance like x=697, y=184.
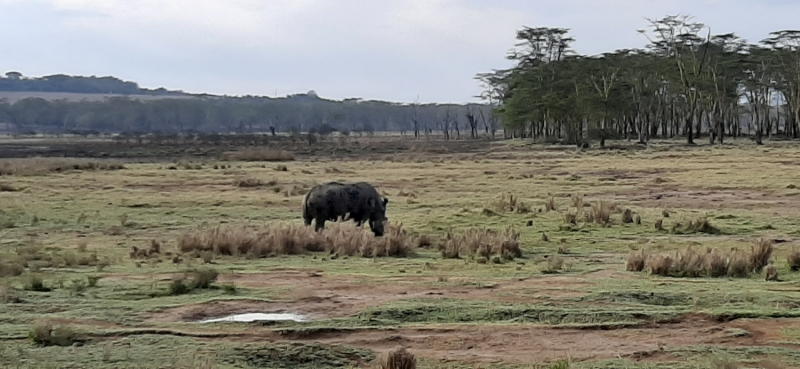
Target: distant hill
x=16, y=82
x=15, y=96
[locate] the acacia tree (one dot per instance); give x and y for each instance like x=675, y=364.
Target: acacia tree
x=687, y=82
x=785, y=46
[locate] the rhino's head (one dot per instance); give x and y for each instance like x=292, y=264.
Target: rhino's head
x=378, y=221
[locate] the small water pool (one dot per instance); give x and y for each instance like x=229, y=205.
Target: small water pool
x=256, y=317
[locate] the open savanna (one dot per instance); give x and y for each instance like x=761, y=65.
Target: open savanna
x=68, y=227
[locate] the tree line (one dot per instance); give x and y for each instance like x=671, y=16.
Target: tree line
x=686, y=82
x=240, y=115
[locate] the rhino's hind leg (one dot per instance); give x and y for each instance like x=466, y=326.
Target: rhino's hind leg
x=307, y=220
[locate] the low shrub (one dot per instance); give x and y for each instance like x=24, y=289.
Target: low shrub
x=44, y=333
x=178, y=287
x=35, y=283
x=203, y=278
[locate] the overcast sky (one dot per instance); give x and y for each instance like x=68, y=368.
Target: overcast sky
x=374, y=49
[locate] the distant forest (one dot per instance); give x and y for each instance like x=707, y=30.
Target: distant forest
x=178, y=112
x=686, y=82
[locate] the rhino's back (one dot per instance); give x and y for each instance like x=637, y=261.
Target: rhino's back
x=334, y=199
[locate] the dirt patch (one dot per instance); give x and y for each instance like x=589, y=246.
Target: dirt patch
x=677, y=198
x=323, y=297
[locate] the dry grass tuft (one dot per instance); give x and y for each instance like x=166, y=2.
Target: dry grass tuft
x=259, y=154
x=716, y=264
x=577, y=202
x=248, y=182
x=153, y=251
x=738, y=266
x=511, y=204
x=601, y=213
x=570, y=218
x=770, y=273
x=399, y=359
x=482, y=244
x=660, y=265
x=760, y=254
x=701, y=225
x=554, y=264
x=550, y=204
x=424, y=241
x=637, y=261
x=659, y=225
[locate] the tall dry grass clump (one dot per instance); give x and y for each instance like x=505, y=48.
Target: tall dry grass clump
x=637, y=261
x=274, y=240
x=760, y=254
x=482, y=243
x=550, y=204
x=399, y=359
x=711, y=263
x=511, y=204
x=577, y=202
x=601, y=213
x=259, y=154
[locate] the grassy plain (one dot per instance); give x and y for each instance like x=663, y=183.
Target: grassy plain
x=584, y=311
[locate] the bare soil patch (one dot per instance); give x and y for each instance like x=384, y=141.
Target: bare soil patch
x=324, y=297
x=677, y=198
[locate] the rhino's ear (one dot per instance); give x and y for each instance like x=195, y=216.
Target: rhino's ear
x=385, y=202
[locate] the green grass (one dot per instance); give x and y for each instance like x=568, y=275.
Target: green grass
x=109, y=212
